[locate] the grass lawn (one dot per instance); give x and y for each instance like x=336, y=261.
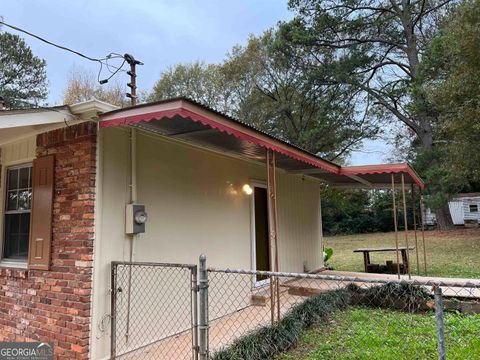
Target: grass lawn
x=359, y=333
x=454, y=253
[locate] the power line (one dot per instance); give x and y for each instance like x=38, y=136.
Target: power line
x=127, y=58
x=49, y=42
x=101, y=61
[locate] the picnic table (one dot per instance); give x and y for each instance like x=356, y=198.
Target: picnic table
x=390, y=267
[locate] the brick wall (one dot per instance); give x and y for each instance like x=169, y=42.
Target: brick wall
x=55, y=305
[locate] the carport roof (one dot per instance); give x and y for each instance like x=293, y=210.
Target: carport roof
x=191, y=122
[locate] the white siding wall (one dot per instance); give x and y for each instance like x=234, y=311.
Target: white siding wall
x=19, y=151
x=468, y=215
x=456, y=211
x=15, y=153
x=195, y=205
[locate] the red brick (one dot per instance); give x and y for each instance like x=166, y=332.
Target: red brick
x=55, y=305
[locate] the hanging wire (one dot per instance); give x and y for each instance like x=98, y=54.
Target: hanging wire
x=102, y=61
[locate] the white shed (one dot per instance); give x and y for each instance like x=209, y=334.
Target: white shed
x=464, y=208
x=456, y=211
x=470, y=205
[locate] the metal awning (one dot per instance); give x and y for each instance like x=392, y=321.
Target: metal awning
x=191, y=122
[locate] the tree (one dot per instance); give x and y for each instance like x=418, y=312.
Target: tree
x=281, y=100
x=374, y=47
x=450, y=70
x=263, y=86
x=198, y=81
x=82, y=85
x=23, y=78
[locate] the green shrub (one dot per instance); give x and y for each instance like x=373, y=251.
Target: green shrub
x=394, y=295
x=268, y=341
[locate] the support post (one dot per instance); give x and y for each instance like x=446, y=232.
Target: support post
x=275, y=227
x=203, y=309
x=405, y=220
x=270, y=237
x=440, y=326
x=414, y=207
x=422, y=217
x=395, y=224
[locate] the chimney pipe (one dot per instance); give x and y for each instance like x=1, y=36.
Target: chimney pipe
x=1, y=103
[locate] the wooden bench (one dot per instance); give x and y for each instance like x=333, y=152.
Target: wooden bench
x=390, y=267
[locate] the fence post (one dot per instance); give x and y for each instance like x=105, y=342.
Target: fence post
x=203, y=309
x=440, y=328
x=113, y=311
x=194, y=278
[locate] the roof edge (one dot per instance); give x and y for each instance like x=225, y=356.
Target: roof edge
x=197, y=112
x=396, y=168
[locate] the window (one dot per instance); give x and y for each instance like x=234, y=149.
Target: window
x=18, y=203
x=473, y=207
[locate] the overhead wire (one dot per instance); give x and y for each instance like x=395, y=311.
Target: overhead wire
x=102, y=61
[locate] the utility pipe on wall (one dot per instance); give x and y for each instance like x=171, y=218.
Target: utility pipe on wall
x=133, y=172
x=133, y=200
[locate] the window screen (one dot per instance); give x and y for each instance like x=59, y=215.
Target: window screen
x=17, y=212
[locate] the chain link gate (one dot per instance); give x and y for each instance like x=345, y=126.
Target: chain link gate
x=154, y=311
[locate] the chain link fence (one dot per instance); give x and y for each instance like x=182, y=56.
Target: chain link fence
x=153, y=311
x=170, y=311
x=348, y=318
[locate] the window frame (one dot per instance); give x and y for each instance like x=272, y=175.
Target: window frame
x=470, y=206
x=11, y=262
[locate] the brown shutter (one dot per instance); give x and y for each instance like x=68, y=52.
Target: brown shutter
x=41, y=215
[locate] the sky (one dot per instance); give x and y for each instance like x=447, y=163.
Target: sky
x=159, y=33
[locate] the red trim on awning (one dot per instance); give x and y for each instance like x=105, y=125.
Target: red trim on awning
x=383, y=169
x=272, y=144
x=169, y=114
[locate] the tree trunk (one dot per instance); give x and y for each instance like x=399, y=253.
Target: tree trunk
x=444, y=218
x=442, y=213
x=424, y=119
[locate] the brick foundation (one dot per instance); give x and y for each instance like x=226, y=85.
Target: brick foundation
x=55, y=305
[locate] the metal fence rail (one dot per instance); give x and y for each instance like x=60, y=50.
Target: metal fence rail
x=238, y=307
x=153, y=311
x=181, y=311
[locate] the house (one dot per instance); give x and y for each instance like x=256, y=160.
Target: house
x=198, y=182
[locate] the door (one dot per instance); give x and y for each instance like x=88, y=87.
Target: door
x=260, y=233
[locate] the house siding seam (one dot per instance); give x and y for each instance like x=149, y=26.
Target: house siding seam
x=55, y=305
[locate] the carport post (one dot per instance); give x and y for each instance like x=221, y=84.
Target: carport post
x=395, y=224
x=275, y=226
x=270, y=237
x=203, y=309
x=414, y=206
x=273, y=231
x=405, y=220
x=422, y=216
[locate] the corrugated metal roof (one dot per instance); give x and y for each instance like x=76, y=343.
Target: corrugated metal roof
x=231, y=118
x=196, y=123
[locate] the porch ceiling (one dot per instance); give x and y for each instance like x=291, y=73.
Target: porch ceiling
x=193, y=123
